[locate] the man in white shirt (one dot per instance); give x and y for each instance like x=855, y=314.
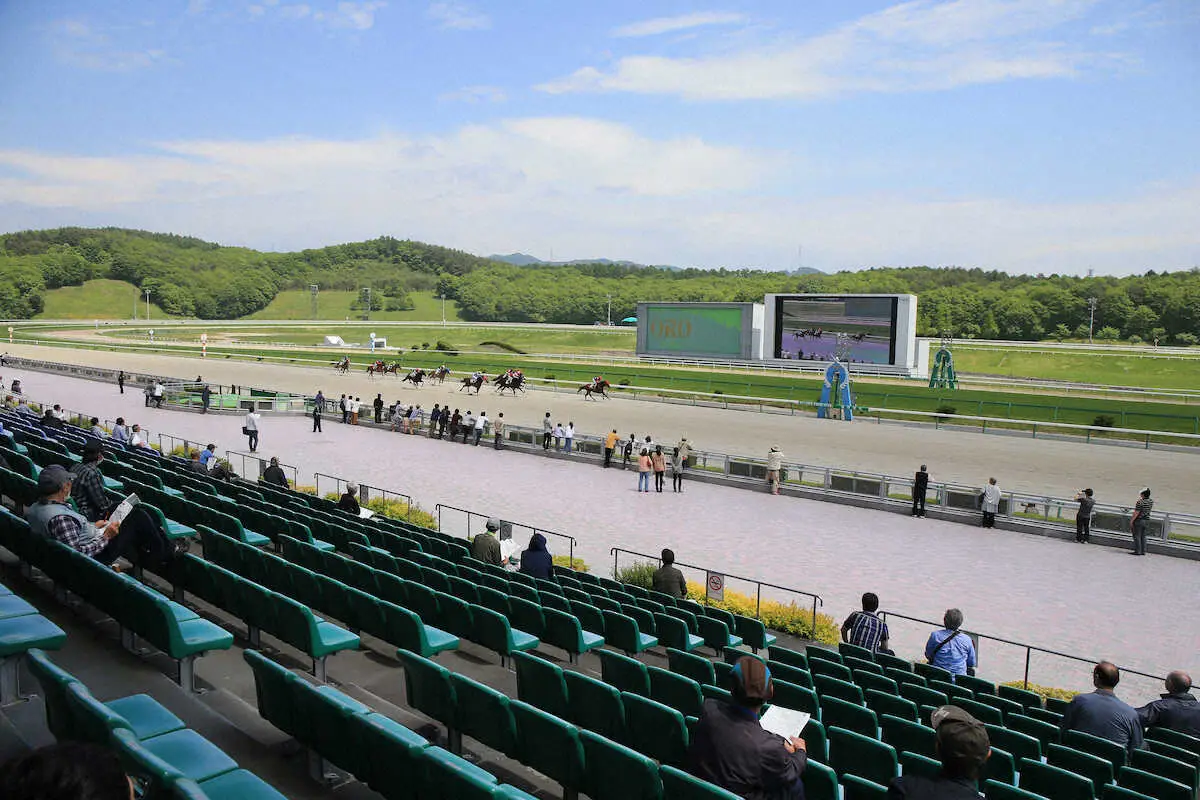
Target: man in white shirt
x=158, y=393
x=137, y=438
x=569, y=435
x=468, y=424
x=250, y=428
x=480, y=426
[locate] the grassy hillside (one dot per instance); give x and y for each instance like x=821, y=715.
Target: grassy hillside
x=102, y=298
x=297, y=304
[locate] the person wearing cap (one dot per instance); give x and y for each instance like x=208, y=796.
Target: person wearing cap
x=348, y=502
x=87, y=484
x=774, y=465
x=950, y=648
x=1141, y=521
x=1101, y=713
x=1177, y=710
x=962, y=746
x=485, y=547
x=731, y=749
x=53, y=518
x=668, y=579
x=274, y=474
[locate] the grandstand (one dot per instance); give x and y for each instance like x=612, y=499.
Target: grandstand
x=273, y=657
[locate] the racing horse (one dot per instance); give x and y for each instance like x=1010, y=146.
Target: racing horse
x=439, y=374
x=595, y=387
x=475, y=383
x=377, y=368
x=514, y=384
x=415, y=377
x=342, y=366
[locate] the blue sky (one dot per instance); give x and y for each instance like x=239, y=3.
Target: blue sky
x=1024, y=135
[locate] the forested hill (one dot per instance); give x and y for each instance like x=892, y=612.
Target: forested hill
x=191, y=277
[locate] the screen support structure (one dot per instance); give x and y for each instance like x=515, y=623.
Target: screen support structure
x=837, y=402
x=942, y=374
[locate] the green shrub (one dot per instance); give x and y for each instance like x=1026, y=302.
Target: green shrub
x=448, y=349
x=503, y=346
x=783, y=617
x=307, y=490
x=639, y=574
x=1104, y=421
x=579, y=564
x=1044, y=691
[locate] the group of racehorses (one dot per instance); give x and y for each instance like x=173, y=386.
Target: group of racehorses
x=510, y=382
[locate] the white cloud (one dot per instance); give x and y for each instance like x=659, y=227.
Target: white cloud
x=358, y=16
x=476, y=94
x=591, y=187
x=83, y=44
x=458, y=16
x=683, y=22
x=921, y=45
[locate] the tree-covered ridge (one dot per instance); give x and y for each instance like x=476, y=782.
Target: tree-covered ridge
x=191, y=277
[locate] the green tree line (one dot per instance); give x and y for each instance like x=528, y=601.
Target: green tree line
x=190, y=277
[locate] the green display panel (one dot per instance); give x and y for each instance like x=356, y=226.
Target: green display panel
x=692, y=330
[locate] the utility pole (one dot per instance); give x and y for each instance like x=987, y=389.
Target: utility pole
x=610, y=311
x=135, y=299
x=313, y=290
x=1091, y=317
x=147, y=291
x=366, y=290
x=442, y=297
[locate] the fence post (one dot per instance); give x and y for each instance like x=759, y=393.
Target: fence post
x=814, y=619
x=616, y=553
x=571, y=553
x=758, y=602
x=1028, y=652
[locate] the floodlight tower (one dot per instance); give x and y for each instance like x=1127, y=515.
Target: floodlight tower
x=313, y=291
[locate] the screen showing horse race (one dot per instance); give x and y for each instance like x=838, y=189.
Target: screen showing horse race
x=702, y=330
x=809, y=328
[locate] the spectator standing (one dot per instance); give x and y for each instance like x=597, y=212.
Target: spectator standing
x=919, y=488
x=1083, y=517
x=1141, y=521
x=355, y=410
x=685, y=449
x=627, y=454
x=660, y=467
x=455, y=422
x=569, y=436
x=87, y=484
x=644, y=467
x=678, y=462
x=344, y=407
x=498, y=430
x=378, y=404
x=120, y=381
x=468, y=425
x=486, y=547
x=774, y=465
x=158, y=393
x=1101, y=713
x=667, y=578
x=731, y=749
x=865, y=628
x=348, y=502
x=559, y=433
x=1177, y=710
x=414, y=419
x=205, y=398
x=610, y=444
x=547, y=431
x=435, y=417
x=274, y=474
x=989, y=503
x=208, y=455
x=950, y=648
x=250, y=428
x=481, y=424
x=536, y=560
x=318, y=411
x=963, y=747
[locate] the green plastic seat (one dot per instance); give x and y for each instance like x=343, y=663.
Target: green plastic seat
x=856, y=788
x=829, y=687
x=923, y=696
x=906, y=735
x=13, y=606
x=590, y=617
x=904, y=677
x=716, y=633
x=595, y=706
x=549, y=745
x=1114, y=792
x=484, y=714
x=655, y=730
x=1045, y=715
x=394, y=753
x=556, y=602
x=884, y=703
x=679, y=785
x=272, y=687
x=852, y=753
x=239, y=784
x=953, y=691
x=18, y=635
x=1019, y=744
x=1003, y=704
x=820, y=782
x=1026, y=698
x=526, y=615
x=1170, y=737
x=673, y=633
x=994, y=790
x=821, y=654
x=790, y=673
x=622, y=632
x=677, y=691
x=615, y=772
x=428, y=689
x=186, y=751
x=785, y=655
x=324, y=724
x=983, y=713
x=830, y=669
x=888, y=661
x=1171, y=751
x=541, y=684
x=856, y=663
x=754, y=634
x=1097, y=746
x=854, y=651
x=860, y=719
x=493, y=631
x=1054, y=781
x=915, y=764
x=976, y=684
x=1000, y=767
x=625, y=673
x=562, y=630
x=868, y=681
x=1044, y=732
x=318, y=639
x=1152, y=785
x=928, y=671
x=405, y=629
x=696, y=667
x=447, y=776
x=1165, y=767
x=1098, y=770
x=797, y=698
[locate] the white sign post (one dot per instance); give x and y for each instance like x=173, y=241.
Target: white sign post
x=204, y=345
x=716, y=586
x=10, y=329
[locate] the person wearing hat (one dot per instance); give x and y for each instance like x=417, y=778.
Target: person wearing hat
x=731, y=749
x=348, y=502
x=486, y=546
x=962, y=747
x=87, y=484
x=774, y=465
x=536, y=560
x=53, y=518
x=274, y=474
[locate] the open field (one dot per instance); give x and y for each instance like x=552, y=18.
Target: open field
x=1175, y=368
x=297, y=304
x=98, y=299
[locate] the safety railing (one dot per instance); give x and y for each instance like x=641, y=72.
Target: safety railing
x=463, y=522
x=366, y=492
x=250, y=464
x=1028, y=650
x=714, y=577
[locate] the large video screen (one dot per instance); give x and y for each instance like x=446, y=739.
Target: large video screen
x=700, y=330
x=807, y=328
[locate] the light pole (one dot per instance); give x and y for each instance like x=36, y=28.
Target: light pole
x=147, y=291
x=442, y=297
x=367, y=291
x=609, y=311
x=1091, y=317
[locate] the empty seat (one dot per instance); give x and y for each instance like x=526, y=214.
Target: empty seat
x=1026, y=698
x=884, y=703
x=540, y=683
x=673, y=632
x=428, y=689
x=1098, y=770
x=625, y=673
x=842, y=690
x=799, y=698
x=622, y=632
x=615, y=772
x=906, y=735
x=1054, y=781
x=484, y=714
x=831, y=669
x=852, y=753
x=493, y=631
x=655, y=730
x=679, y=785
x=696, y=667
x=1165, y=766
x=677, y=691
x=753, y=633
x=1019, y=744
x=856, y=788
x=1097, y=746
x=849, y=716
x=790, y=673
x=923, y=696
x=786, y=655
x=915, y=764
x=562, y=630
x=981, y=712
x=1155, y=786
x=820, y=782
x=595, y=705
x=549, y=745
x=871, y=680
x=994, y=790
x=1044, y=732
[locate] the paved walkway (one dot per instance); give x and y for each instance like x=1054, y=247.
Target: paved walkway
x=1093, y=601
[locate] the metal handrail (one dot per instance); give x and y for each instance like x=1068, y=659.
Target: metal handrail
x=1029, y=648
x=816, y=598
x=570, y=539
x=366, y=491
x=262, y=464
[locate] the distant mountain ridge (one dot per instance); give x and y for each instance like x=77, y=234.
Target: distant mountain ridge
x=526, y=260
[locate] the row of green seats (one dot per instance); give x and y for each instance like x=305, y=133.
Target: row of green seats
x=157, y=748
x=193, y=514
x=22, y=629
x=139, y=610
x=579, y=758
x=357, y=609
x=378, y=751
